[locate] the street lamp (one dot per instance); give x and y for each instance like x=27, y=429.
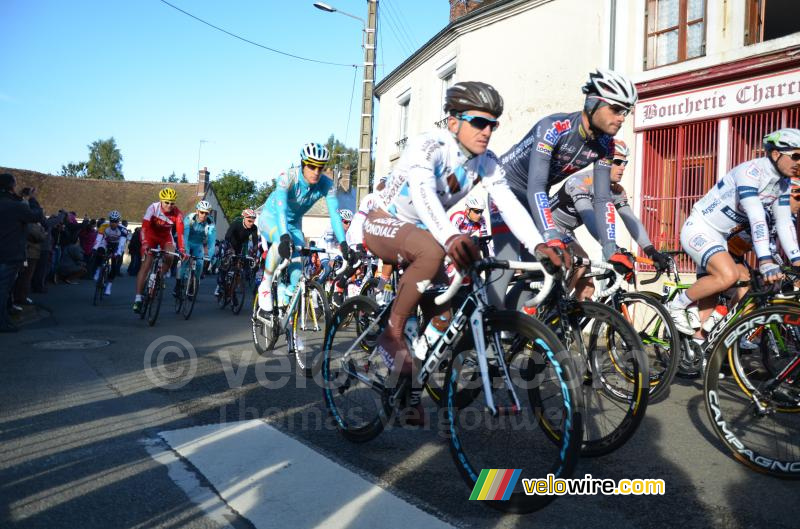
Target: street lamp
x=365, y=140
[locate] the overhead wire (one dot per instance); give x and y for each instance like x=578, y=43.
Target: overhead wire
x=350, y=108
x=234, y=35
x=396, y=33
x=396, y=13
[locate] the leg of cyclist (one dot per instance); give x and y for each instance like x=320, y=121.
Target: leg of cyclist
x=116, y=262
x=584, y=287
x=141, y=277
x=99, y=259
x=506, y=247
x=295, y=270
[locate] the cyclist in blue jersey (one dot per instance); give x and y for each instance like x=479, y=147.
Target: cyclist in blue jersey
x=282, y=217
x=556, y=147
x=199, y=239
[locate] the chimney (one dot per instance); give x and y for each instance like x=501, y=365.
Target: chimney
x=459, y=8
x=202, y=182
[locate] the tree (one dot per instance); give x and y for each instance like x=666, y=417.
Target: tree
x=343, y=156
x=171, y=179
x=263, y=191
x=74, y=170
x=235, y=192
x=184, y=180
x=105, y=160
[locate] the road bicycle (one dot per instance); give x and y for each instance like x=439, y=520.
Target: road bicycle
x=233, y=289
x=103, y=274
x=305, y=315
x=154, y=288
x=488, y=421
x=187, y=289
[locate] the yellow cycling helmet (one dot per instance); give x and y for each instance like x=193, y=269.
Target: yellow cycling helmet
x=167, y=194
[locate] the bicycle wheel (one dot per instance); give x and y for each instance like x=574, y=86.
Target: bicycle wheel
x=309, y=322
x=99, y=287
x=661, y=340
x=238, y=292
x=189, y=295
x=753, y=415
x=180, y=289
x=265, y=332
x=155, y=301
x=224, y=292
x=352, y=378
x=546, y=384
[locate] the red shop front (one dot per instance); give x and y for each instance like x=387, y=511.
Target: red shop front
x=693, y=128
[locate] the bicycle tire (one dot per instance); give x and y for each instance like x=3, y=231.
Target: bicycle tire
x=308, y=358
x=99, y=287
x=337, y=377
x=178, y=303
x=189, y=295
x=155, y=301
x=539, y=352
x=238, y=293
x=722, y=395
x=661, y=341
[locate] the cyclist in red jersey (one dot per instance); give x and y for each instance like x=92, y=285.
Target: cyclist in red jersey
x=471, y=221
x=160, y=219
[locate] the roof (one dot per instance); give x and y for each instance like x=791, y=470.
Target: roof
x=95, y=198
x=464, y=24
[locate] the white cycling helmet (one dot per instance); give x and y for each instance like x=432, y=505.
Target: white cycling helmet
x=475, y=202
x=315, y=153
x=203, y=206
x=782, y=140
x=611, y=87
x=346, y=214
x=114, y=216
x=621, y=149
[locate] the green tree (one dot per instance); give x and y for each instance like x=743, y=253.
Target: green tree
x=74, y=170
x=235, y=192
x=184, y=180
x=262, y=192
x=105, y=160
x=343, y=156
x=171, y=179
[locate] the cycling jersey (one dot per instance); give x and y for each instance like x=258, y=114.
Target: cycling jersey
x=292, y=198
x=197, y=233
x=556, y=147
x=461, y=221
x=434, y=173
x=355, y=234
x=571, y=206
x=111, y=237
x=157, y=226
x=741, y=198
x=237, y=235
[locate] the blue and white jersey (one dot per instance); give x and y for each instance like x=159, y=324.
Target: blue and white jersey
x=198, y=233
x=742, y=197
x=292, y=199
x=434, y=173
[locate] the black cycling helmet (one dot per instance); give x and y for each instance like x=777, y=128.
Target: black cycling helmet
x=473, y=95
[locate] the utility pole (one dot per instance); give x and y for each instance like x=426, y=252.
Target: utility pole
x=365, y=138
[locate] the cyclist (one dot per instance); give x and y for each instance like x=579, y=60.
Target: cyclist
x=741, y=197
x=199, y=239
x=111, y=237
x=556, y=147
x=239, y=232
x=471, y=220
x=571, y=207
x=282, y=216
x=410, y=226
x=159, y=220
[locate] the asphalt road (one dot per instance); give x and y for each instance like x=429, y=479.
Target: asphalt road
x=79, y=443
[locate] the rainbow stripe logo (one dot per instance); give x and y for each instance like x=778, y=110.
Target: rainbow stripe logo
x=495, y=484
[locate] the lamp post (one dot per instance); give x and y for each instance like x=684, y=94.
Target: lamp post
x=365, y=136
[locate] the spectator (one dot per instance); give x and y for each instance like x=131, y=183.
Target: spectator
x=135, y=250
x=72, y=267
x=87, y=236
x=35, y=236
x=15, y=213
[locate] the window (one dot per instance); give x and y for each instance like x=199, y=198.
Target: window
x=676, y=31
x=404, y=108
x=770, y=19
x=680, y=166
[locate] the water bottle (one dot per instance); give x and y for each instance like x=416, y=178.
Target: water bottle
x=720, y=311
x=424, y=342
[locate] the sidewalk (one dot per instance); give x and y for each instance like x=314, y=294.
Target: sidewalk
x=30, y=314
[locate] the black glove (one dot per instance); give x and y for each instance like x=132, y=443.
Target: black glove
x=347, y=255
x=660, y=261
x=285, y=246
x=623, y=264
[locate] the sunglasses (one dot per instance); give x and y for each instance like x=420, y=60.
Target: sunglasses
x=315, y=165
x=202, y=212
x=795, y=156
x=620, y=111
x=346, y=222
x=168, y=203
x=478, y=211
x=480, y=122
x=617, y=161
x=249, y=218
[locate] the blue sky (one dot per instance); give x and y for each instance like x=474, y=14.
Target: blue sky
x=158, y=81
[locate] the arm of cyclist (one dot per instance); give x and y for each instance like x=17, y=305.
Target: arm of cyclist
x=747, y=191
x=604, y=211
x=514, y=214
x=538, y=172
x=211, y=235
x=281, y=194
x=178, y=231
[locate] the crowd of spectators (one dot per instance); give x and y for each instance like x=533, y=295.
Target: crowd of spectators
x=38, y=250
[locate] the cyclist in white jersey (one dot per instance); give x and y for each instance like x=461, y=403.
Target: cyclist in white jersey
x=435, y=171
x=741, y=197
